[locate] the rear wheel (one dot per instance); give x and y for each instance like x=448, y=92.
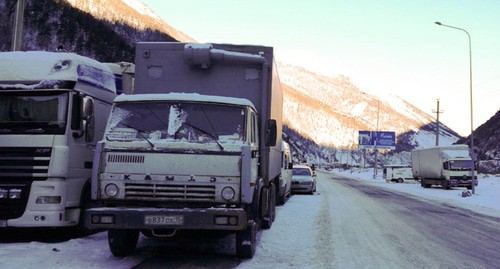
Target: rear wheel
x=122, y=242
x=424, y=184
x=270, y=215
x=282, y=198
x=400, y=180
x=246, y=241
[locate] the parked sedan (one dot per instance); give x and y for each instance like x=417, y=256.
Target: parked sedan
x=303, y=179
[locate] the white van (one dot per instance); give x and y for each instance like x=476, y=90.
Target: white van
x=397, y=173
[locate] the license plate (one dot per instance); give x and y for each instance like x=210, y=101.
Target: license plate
x=163, y=220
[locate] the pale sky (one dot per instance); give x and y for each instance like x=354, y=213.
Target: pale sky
x=384, y=47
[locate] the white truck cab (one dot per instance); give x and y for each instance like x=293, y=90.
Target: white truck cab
x=53, y=110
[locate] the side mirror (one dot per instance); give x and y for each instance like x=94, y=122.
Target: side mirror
x=88, y=107
x=88, y=118
x=290, y=166
x=271, y=133
x=82, y=117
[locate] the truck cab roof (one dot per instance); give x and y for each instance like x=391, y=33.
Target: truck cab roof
x=183, y=97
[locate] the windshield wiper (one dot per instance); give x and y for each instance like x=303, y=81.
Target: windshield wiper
x=213, y=128
x=35, y=131
x=207, y=133
x=141, y=132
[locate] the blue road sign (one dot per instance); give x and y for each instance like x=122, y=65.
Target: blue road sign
x=379, y=140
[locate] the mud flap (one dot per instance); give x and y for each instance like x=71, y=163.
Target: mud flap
x=246, y=241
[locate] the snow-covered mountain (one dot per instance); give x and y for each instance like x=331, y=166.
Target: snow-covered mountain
x=331, y=111
x=323, y=115
x=131, y=12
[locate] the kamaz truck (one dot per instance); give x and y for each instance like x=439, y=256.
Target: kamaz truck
x=196, y=148
x=447, y=166
x=53, y=111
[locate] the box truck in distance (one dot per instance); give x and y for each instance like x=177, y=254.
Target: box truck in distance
x=197, y=147
x=447, y=166
x=53, y=111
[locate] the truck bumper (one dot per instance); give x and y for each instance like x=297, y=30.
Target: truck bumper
x=462, y=182
x=233, y=219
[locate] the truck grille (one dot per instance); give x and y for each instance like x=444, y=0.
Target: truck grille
x=117, y=158
x=183, y=192
x=18, y=168
x=24, y=162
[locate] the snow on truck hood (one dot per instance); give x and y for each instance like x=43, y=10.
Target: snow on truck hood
x=195, y=97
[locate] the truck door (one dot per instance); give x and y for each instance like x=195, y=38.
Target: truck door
x=254, y=144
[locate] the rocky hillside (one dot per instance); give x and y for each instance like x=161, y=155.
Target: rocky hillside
x=487, y=144
x=106, y=30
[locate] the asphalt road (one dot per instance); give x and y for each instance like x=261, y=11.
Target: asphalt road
x=377, y=228
x=354, y=224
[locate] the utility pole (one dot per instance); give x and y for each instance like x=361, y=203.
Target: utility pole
x=17, y=32
x=437, y=111
x=376, y=142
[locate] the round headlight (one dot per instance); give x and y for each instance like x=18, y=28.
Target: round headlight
x=111, y=190
x=228, y=193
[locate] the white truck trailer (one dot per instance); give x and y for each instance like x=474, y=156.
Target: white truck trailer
x=53, y=111
x=197, y=147
x=447, y=166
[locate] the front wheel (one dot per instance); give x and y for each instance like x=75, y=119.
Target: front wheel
x=122, y=242
x=446, y=185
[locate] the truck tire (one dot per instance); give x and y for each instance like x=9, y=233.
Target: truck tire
x=122, y=242
x=400, y=180
x=445, y=185
x=246, y=241
x=282, y=198
x=268, y=218
x=424, y=184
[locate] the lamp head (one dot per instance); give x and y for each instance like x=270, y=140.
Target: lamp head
x=438, y=23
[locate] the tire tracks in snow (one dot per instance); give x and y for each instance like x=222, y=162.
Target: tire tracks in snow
x=324, y=231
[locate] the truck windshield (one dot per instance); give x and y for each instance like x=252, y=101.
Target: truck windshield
x=460, y=165
x=166, y=121
x=33, y=112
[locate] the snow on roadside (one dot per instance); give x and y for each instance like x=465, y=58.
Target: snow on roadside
x=486, y=199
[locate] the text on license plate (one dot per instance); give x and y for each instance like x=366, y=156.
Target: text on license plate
x=163, y=220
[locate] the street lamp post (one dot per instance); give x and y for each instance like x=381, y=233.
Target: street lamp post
x=471, y=115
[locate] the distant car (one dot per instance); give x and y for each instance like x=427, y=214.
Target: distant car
x=303, y=179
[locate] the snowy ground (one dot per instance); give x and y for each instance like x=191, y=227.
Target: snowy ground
x=286, y=246
x=486, y=199
x=300, y=238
